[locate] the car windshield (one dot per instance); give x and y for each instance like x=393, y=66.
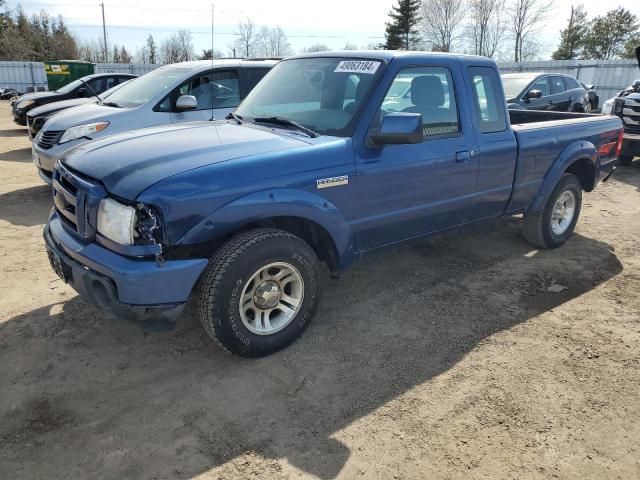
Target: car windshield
x=70, y=86
x=140, y=90
x=513, y=86
x=322, y=94
x=106, y=93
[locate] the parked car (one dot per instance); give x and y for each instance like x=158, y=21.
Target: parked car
x=8, y=93
x=594, y=99
x=544, y=91
x=182, y=92
x=39, y=115
x=87, y=86
x=239, y=214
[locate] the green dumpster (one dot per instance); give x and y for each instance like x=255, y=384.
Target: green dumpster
x=62, y=72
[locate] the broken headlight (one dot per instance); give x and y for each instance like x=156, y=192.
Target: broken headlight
x=127, y=225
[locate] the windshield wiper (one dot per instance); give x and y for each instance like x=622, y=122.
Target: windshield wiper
x=95, y=94
x=287, y=123
x=233, y=116
x=110, y=104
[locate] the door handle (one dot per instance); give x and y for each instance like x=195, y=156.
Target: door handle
x=463, y=157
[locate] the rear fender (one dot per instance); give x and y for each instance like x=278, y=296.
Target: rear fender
x=270, y=204
x=576, y=152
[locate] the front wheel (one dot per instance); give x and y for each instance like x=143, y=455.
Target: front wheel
x=625, y=160
x=259, y=292
x=553, y=226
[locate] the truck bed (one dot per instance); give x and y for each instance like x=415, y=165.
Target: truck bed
x=542, y=138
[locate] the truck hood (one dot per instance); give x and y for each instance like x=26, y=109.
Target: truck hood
x=83, y=114
x=128, y=163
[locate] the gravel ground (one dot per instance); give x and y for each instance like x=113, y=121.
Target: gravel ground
x=442, y=359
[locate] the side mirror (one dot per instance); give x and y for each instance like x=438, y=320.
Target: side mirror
x=186, y=102
x=533, y=94
x=398, y=129
x=82, y=92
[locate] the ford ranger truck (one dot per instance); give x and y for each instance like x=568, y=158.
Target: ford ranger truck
x=321, y=163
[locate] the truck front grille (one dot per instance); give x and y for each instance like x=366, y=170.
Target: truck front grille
x=48, y=139
x=76, y=201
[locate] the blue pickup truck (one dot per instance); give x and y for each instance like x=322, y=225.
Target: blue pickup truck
x=319, y=164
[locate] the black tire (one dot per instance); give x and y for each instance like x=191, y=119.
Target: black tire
x=625, y=160
x=538, y=226
x=217, y=303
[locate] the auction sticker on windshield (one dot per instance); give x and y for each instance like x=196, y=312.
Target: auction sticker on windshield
x=357, y=66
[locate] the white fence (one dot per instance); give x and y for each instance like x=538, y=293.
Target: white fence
x=23, y=76
x=133, y=68
x=608, y=77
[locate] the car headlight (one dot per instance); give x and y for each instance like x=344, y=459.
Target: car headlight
x=25, y=104
x=83, y=131
x=607, y=107
x=116, y=221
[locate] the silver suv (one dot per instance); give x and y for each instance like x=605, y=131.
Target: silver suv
x=181, y=92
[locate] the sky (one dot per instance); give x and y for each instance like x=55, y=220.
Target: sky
x=331, y=22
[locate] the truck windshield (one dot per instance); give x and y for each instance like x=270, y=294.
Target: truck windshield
x=142, y=89
x=321, y=94
x=513, y=86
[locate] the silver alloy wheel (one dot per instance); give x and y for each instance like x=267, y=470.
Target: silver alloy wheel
x=271, y=298
x=563, y=212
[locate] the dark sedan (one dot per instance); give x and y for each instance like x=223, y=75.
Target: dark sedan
x=544, y=91
x=36, y=117
x=87, y=86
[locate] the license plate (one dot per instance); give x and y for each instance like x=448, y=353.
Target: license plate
x=34, y=156
x=57, y=265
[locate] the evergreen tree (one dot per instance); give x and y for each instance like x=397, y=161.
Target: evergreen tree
x=573, y=36
x=609, y=34
x=402, y=29
x=152, y=49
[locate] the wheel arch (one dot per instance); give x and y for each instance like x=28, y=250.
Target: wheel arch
x=580, y=159
x=306, y=215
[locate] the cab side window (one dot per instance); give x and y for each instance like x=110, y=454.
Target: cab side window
x=428, y=91
x=97, y=84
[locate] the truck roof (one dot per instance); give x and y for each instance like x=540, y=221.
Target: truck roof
x=388, y=55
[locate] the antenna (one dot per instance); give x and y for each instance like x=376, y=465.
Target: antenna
x=212, y=64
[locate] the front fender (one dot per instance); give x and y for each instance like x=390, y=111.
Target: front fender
x=578, y=151
x=274, y=203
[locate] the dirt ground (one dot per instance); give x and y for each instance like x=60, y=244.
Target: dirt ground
x=442, y=359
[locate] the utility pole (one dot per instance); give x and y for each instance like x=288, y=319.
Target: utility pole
x=104, y=34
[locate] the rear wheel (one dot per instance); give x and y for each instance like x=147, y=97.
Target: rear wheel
x=259, y=292
x=551, y=227
x=625, y=160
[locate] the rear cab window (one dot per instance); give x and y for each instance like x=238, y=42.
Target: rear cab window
x=488, y=99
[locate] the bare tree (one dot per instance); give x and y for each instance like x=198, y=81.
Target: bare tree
x=247, y=36
x=90, y=50
x=441, y=21
x=527, y=18
x=316, y=47
x=177, y=48
x=487, y=26
x=350, y=46
x=271, y=42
